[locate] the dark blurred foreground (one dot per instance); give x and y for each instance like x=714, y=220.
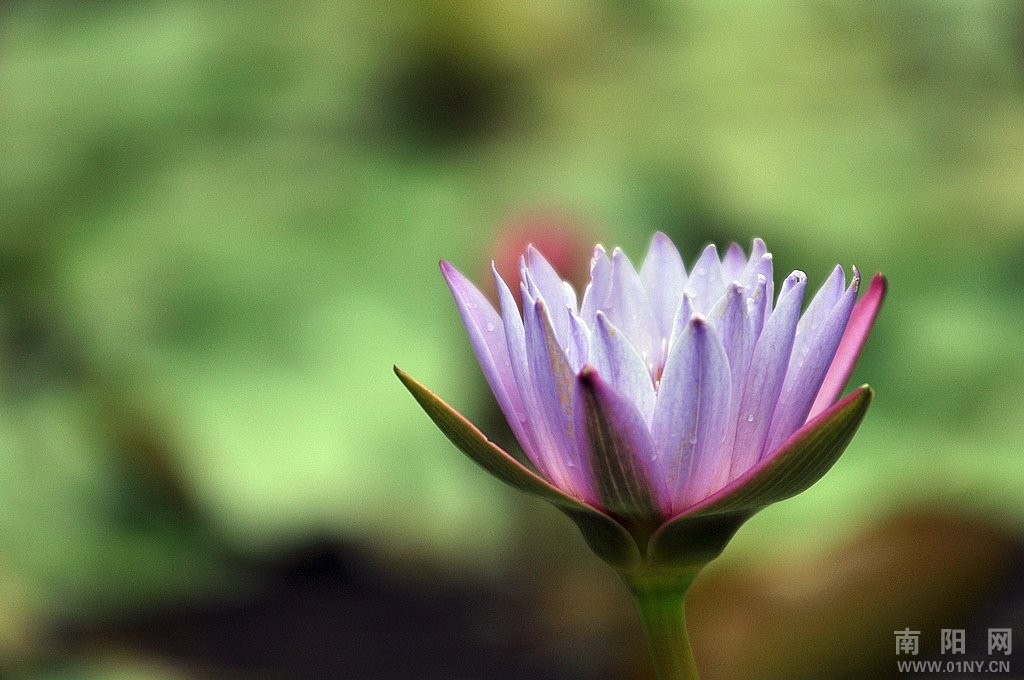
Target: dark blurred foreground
x=326, y=610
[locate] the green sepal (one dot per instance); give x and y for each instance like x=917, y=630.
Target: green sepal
x=606, y=537
x=700, y=533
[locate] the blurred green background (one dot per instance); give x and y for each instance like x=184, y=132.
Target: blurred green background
x=219, y=228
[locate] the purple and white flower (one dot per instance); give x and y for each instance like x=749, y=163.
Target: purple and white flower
x=663, y=408
x=660, y=387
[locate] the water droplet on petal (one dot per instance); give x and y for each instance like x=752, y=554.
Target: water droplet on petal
x=750, y=417
x=490, y=327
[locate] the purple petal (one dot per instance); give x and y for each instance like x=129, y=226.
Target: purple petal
x=515, y=339
x=821, y=305
x=813, y=349
x=617, y=449
x=727, y=317
x=682, y=320
x=595, y=296
x=732, y=316
x=856, y=333
x=571, y=302
x=760, y=264
x=618, y=361
x=706, y=283
x=578, y=349
x=733, y=262
x=758, y=304
x=544, y=452
x=487, y=335
x=766, y=374
x=630, y=310
x=753, y=320
x=690, y=416
x=664, y=277
x=546, y=284
x=758, y=249
x=553, y=380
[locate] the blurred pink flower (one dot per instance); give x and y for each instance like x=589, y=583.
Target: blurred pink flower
x=561, y=237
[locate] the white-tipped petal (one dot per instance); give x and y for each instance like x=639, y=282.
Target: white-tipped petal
x=856, y=334
x=552, y=380
x=630, y=310
x=546, y=284
x=733, y=262
x=578, y=349
x=487, y=335
x=706, y=281
x=765, y=375
x=595, y=295
x=515, y=341
x=760, y=266
x=814, y=347
x=664, y=277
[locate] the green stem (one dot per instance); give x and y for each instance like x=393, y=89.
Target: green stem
x=662, y=613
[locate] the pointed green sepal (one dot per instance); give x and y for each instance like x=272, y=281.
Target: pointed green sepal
x=701, y=532
x=606, y=537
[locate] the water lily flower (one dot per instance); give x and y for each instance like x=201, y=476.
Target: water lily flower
x=663, y=408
